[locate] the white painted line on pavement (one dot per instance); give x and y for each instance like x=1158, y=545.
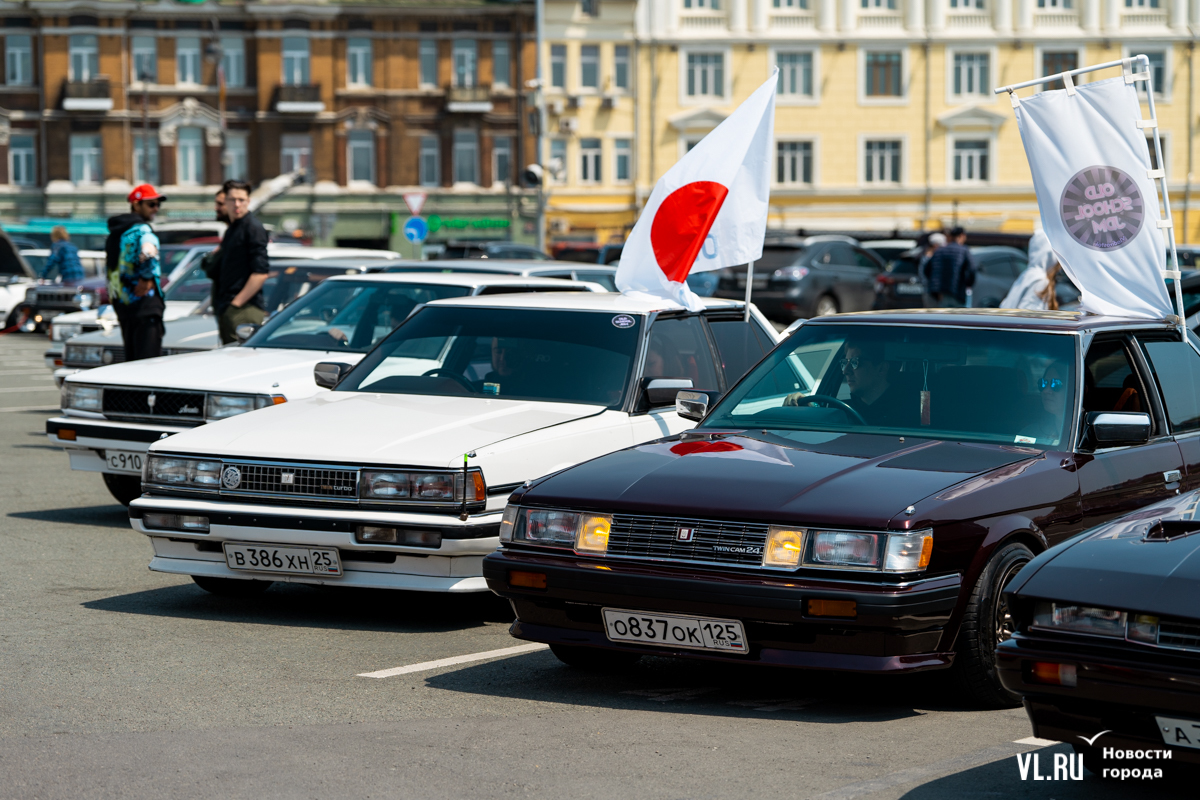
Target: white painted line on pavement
x=450, y=662
x=42, y=371
x=29, y=408
x=1035, y=741
x=30, y=389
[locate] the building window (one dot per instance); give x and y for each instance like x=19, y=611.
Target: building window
x=621, y=66
x=84, y=52
x=883, y=162
x=793, y=162
x=590, y=8
x=623, y=160
x=883, y=74
x=187, y=61
x=1141, y=3
x=713, y=5
x=18, y=60
x=85, y=154
x=1153, y=153
x=295, y=152
x=790, y=4
x=358, y=62
x=971, y=160
x=295, y=61
x=706, y=75
x=1058, y=61
x=1054, y=4
x=189, y=157
x=236, y=157
x=233, y=62
x=971, y=75
x=145, y=59
x=431, y=161
x=795, y=74
x=879, y=4
x=690, y=143
x=589, y=66
x=429, y=62
x=590, y=156
x=360, y=156
x=501, y=64
x=558, y=66
x=22, y=161
x=502, y=160
x=1158, y=72
x=465, y=63
x=145, y=158
x=466, y=156
x=968, y=4
x=558, y=160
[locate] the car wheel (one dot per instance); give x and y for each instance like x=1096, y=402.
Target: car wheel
x=230, y=587
x=987, y=622
x=826, y=305
x=124, y=488
x=593, y=658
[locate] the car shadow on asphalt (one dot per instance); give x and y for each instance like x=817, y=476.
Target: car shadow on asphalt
x=302, y=606
x=110, y=516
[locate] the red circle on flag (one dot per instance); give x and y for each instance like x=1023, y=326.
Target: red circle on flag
x=681, y=224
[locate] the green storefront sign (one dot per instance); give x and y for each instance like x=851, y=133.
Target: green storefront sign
x=436, y=223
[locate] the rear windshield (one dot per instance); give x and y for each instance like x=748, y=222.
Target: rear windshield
x=779, y=256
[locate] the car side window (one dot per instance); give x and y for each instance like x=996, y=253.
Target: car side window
x=865, y=259
x=738, y=346
x=678, y=348
x=1176, y=367
x=1017, y=264
x=842, y=254
x=1110, y=382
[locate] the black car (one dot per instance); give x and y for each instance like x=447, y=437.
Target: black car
x=1106, y=653
x=811, y=277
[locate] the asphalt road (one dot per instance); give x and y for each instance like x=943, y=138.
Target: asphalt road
x=119, y=682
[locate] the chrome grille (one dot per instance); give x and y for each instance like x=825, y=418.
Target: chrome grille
x=306, y=480
x=54, y=298
x=1174, y=633
x=713, y=541
x=166, y=405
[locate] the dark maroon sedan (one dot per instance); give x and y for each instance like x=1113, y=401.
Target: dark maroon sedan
x=861, y=498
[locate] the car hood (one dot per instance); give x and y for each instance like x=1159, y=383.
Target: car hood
x=1116, y=566
x=174, y=310
x=810, y=478
x=367, y=428
x=192, y=332
x=253, y=370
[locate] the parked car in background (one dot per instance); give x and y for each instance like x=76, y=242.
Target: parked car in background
x=16, y=278
x=507, y=250
x=887, y=249
x=49, y=298
x=810, y=277
x=603, y=275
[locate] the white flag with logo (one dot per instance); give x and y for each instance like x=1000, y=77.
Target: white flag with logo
x=1099, y=207
x=709, y=210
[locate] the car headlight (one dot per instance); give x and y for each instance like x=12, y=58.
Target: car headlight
x=82, y=398
x=83, y=354
x=421, y=487
x=220, y=406
x=194, y=473
x=61, y=331
x=885, y=552
x=784, y=548
x=85, y=300
x=584, y=533
x=1079, y=619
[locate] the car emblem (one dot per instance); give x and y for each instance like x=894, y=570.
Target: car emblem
x=151, y=399
x=288, y=478
x=189, y=410
x=231, y=478
x=685, y=534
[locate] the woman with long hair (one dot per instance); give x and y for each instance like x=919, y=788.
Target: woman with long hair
x=1034, y=289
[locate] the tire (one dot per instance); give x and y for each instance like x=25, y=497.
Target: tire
x=985, y=624
x=230, y=587
x=826, y=304
x=593, y=658
x=124, y=488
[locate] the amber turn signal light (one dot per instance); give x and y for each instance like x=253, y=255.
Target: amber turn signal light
x=66, y=434
x=832, y=608
x=277, y=399
x=1053, y=674
x=530, y=580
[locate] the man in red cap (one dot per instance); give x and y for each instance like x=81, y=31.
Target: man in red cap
x=134, y=274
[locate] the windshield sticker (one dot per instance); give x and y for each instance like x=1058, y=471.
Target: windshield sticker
x=1025, y=440
x=491, y=388
x=623, y=321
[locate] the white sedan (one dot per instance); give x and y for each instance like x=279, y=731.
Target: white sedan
x=111, y=414
x=398, y=478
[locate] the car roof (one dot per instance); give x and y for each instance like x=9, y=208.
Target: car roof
x=501, y=264
x=458, y=279
x=322, y=253
x=1050, y=321
x=610, y=302
x=890, y=243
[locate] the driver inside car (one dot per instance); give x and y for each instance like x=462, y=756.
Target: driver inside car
x=514, y=371
x=391, y=312
x=873, y=392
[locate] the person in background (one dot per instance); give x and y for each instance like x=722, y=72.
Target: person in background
x=1034, y=290
x=134, y=274
x=211, y=262
x=951, y=272
x=64, y=258
x=936, y=239
x=244, y=266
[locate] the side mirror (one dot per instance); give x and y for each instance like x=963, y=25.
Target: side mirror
x=328, y=373
x=692, y=405
x=244, y=331
x=662, y=391
x=1117, y=428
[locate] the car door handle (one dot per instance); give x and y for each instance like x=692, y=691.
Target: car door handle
x=1172, y=476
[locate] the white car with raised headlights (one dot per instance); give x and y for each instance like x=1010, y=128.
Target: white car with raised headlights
x=111, y=414
x=397, y=478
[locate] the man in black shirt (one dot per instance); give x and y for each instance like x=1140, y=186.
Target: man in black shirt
x=873, y=391
x=951, y=271
x=244, y=266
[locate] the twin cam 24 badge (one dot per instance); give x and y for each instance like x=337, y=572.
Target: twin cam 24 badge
x=1102, y=208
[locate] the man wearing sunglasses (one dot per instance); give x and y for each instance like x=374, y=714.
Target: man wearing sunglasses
x=134, y=274
x=873, y=393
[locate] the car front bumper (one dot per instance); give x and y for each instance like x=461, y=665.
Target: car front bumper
x=898, y=627
x=53, y=357
x=88, y=440
x=1116, y=691
x=455, y=566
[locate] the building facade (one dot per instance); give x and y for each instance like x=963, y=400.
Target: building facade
x=373, y=100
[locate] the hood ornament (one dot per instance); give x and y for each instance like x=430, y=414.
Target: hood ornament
x=151, y=399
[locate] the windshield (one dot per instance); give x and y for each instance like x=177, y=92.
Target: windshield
x=346, y=315
x=519, y=354
x=1010, y=387
x=193, y=286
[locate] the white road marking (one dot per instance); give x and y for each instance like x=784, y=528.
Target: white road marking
x=450, y=662
x=29, y=408
x=1036, y=742
x=30, y=389
x=42, y=371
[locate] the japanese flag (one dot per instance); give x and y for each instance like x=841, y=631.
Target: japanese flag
x=709, y=211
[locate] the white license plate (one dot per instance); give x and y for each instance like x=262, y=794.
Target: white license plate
x=276, y=558
x=124, y=461
x=909, y=288
x=669, y=630
x=1179, y=732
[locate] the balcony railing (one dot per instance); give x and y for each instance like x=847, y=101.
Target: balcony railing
x=1144, y=18
x=299, y=99
x=792, y=22
x=90, y=95
x=1055, y=19
x=469, y=99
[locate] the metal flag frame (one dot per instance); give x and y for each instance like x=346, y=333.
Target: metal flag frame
x=1160, y=175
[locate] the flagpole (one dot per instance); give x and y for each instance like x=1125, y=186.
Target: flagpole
x=749, y=286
